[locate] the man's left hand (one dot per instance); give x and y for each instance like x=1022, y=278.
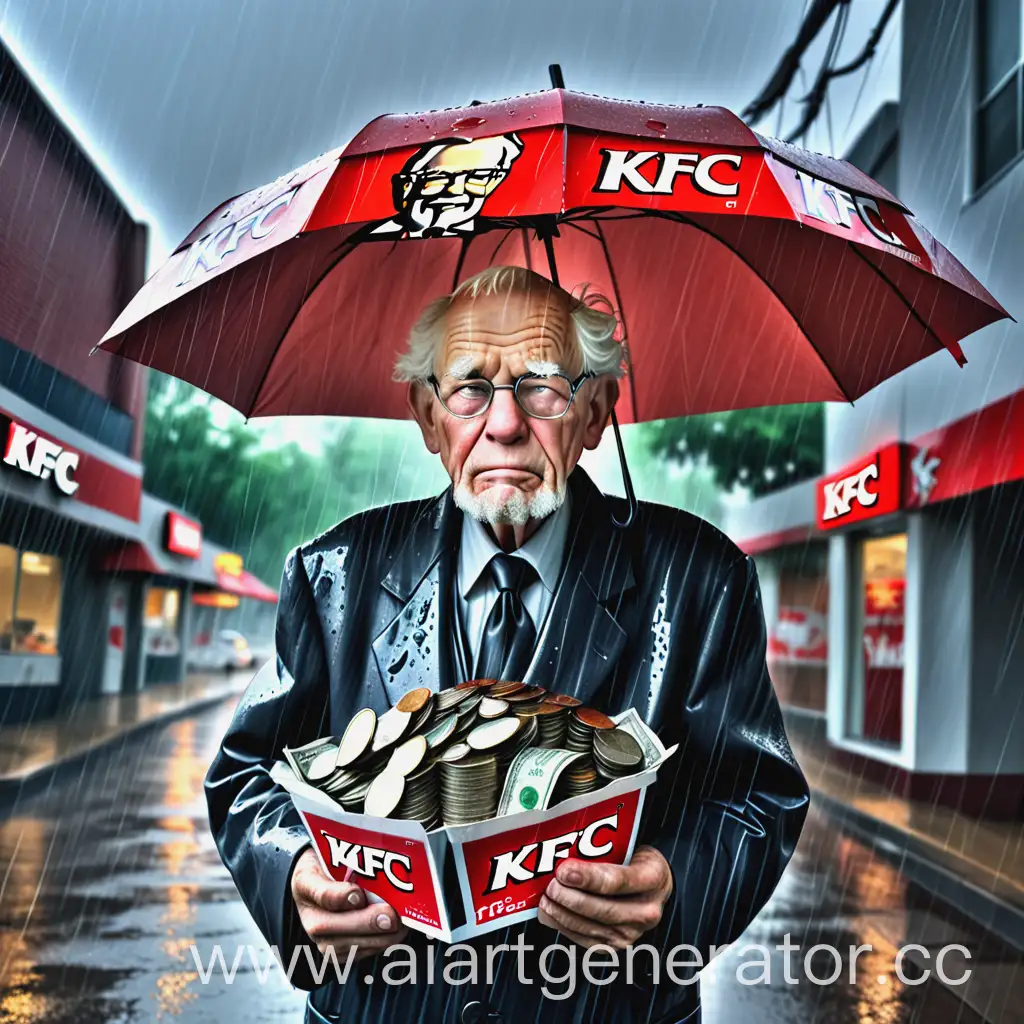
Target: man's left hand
x=607, y=904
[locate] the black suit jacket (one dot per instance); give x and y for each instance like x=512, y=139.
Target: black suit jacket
x=664, y=616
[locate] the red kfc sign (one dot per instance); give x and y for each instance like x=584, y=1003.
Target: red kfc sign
x=182, y=536
x=866, y=489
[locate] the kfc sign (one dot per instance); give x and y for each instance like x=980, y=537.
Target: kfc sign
x=654, y=173
x=863, y=491
x=40, y=457
x=368, y=860
x=182, y=536
x=536, y=859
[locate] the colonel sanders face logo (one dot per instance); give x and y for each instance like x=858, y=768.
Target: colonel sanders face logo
x=442, y=187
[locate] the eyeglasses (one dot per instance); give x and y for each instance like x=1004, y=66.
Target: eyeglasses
x=540, y=396
x=433, y=182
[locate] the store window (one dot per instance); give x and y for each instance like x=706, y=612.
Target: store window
x=876, y=693
x=998, y=127
x=798, y=636
x=161, y=621
x=30, y=591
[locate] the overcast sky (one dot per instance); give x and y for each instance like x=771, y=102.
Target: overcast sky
x=184, y=103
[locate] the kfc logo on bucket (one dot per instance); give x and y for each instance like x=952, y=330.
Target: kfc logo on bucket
x=506, y=873
x=863, y=490
x=394, y=867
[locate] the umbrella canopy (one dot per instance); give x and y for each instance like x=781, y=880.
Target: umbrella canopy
x=745, y=271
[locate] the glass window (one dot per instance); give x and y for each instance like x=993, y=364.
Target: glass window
x=161, y=621
x=998, y=122
x=876, y=693
x=8, y=567
x=38, y=605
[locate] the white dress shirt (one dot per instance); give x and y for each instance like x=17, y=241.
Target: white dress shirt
x=477, y=593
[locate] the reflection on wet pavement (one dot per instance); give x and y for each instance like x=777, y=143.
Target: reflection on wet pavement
x=109, y=880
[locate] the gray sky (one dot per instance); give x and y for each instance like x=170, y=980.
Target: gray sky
x=183, y=103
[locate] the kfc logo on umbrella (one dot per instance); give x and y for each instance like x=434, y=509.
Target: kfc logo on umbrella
x=441, y=189
x=622, y=167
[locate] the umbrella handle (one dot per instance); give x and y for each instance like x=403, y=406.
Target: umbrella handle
x=626, y=480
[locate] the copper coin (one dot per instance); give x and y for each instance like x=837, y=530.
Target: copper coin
x=549, y=708
x=414, y=700
x=527, y=694
x=475, y=684
x=505, y=687
x=562, y=699
x=593, y=719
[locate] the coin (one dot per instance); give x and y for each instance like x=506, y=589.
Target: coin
x=593, y=719
x=470, y=705
x=358, y=735
x=504, y=687
x=384, y=794
x=407, y=757
x=391, y=727
x=489, y=735
x=618, y=748
x=564, y=699
x=469, y=789
x=456, y=751
x=449, y=699
x=442, y=731
x=492, y=707
x=322, y=766
x=414, y=700
x=528, y=693
x=475, y=684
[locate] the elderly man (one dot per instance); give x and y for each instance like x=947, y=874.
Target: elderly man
x=518, y=571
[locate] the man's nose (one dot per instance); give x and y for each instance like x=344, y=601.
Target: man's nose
x=506, y=421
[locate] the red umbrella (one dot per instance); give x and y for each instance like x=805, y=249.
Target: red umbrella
x=746, y=272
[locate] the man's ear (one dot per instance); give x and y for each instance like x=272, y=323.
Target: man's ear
x=602, y=400
x=420, y=401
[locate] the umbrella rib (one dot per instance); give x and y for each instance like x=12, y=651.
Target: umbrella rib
x=824, y=362
x=352, y=245
x=906, y=302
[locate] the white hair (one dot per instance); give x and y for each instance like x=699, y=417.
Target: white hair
x=600, y=351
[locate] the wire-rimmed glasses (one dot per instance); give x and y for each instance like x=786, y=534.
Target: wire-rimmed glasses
x=541, y=396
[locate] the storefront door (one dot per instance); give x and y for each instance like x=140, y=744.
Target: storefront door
x=117, y=624
x=876, y=693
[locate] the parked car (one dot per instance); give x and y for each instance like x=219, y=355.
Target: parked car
x=223, y=651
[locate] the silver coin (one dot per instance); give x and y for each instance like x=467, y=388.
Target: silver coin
x=492, y=707
x=443, y=730
x=445, y=700
x=489, y=735
x=384, y=794
x=391, y=727
x=357, y=738
x=456, y=752
x=407, y=757
x=322, y=766
x=617, y=748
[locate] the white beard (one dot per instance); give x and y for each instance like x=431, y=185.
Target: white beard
x=514, y=510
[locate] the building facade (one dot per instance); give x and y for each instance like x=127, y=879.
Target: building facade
x=97, y=579
x=895, y=583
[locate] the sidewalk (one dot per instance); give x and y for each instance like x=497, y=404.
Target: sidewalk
x=976, y=866
x=32, y=754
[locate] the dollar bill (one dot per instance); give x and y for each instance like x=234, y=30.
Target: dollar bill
x=300, y=758
x=531, y=779
x=631, y=722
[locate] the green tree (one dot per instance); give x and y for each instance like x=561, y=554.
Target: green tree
x=761, y=449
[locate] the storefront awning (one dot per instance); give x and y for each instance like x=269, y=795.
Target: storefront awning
x=130, y=556
x=244, y=584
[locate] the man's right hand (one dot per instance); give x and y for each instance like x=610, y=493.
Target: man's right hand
x=338, y=914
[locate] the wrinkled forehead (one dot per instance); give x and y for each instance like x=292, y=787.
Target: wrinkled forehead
x=490, y=332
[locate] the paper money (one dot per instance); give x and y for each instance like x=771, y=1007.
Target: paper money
x=302, y=758
x=531, y=779
x=632, y=723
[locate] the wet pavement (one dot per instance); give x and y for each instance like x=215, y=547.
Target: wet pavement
x=110, y=878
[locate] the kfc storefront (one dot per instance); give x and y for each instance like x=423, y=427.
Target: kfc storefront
x=63, y=498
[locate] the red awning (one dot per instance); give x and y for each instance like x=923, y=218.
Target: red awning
x=245, y=585
x=130, y=556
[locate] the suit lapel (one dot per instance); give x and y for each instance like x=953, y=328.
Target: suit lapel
x=582, y=638
x=415, y=647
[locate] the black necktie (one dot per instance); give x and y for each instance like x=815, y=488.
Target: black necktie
x=509, y=633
